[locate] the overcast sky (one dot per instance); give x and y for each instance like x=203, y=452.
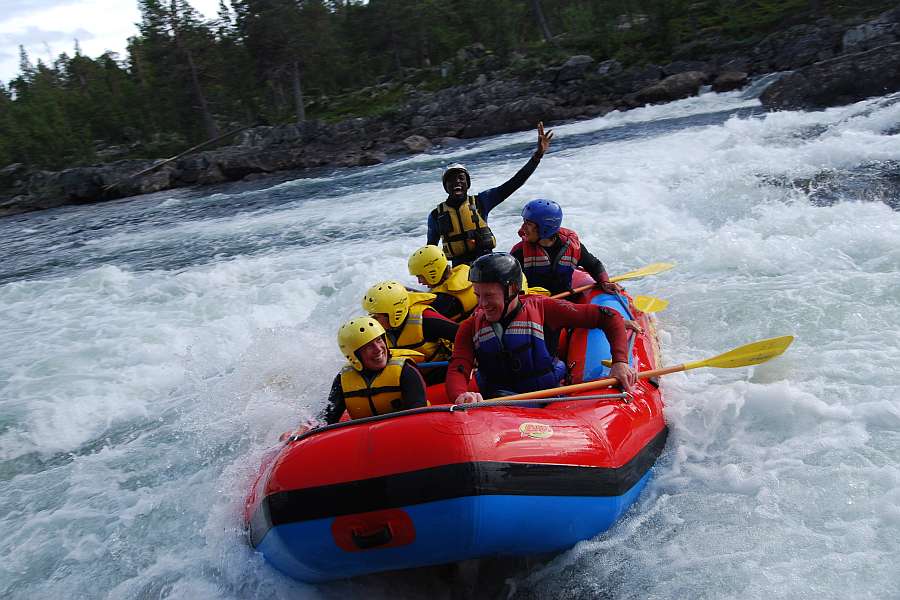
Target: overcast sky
x=48, y=27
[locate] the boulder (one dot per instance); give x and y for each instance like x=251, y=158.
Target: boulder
x=574, y=68
x=191, y=169
x=81, y=184
x=447, y=142
x=608, y=68
x=372, y=158
x=514, y=116
x=636, y=78
x=798, y=46
x=843, y=80
x=683, y=66
x=12, y=174
x=417, y=144
x=730, y=80
x=673, y=87
x=880, y=31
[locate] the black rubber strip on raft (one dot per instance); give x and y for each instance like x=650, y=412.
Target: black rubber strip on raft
x=451, y=481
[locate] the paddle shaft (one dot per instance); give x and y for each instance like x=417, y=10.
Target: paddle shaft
x=653, y=269
x=587, y=385
x=504, y=402
x=582, y=288
x=577, y=290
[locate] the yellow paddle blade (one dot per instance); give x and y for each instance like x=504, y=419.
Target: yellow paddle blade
x=650, y=304
x=652, y=269
x=744, y=356
x=538, y=290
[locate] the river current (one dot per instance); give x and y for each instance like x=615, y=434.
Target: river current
x=153, y=348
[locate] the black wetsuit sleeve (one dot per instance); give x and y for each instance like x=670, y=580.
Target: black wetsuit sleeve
x=435, y=327
x=592, y=265
x=336, y=403
x=434, y=234
x=487, y=200
x=519, y=255
x=447, y=304
x=412, y=386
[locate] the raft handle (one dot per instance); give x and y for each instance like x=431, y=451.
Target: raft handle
x=365, y=541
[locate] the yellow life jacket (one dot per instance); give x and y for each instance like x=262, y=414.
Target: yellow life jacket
x=382, y=394
x=459, y=286
x=463, y=230
x=412, y=336
x=526, y=289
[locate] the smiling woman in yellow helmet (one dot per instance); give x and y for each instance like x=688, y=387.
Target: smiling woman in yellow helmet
x=455, y=295
x=375, y=380
x=410, y=323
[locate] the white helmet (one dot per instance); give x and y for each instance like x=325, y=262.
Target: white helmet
x=452, y=169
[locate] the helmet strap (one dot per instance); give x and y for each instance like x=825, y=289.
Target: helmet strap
x=507, y=299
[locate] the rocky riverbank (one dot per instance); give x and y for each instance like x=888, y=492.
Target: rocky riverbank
x=832, y=63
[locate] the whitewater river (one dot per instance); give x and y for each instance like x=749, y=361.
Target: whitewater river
x=154, y=348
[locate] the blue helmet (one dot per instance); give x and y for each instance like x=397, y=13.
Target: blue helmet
x=546, y=214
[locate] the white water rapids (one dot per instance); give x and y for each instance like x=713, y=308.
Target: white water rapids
x=154, y=348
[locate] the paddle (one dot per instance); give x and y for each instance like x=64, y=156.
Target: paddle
x=743, y=356
x=650, y=304
x=651, y=269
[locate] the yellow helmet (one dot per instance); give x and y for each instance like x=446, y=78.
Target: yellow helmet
x=390, y=298
x=356, y=333
x=428, y=262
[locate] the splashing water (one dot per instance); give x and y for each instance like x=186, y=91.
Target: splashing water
x=155, y=348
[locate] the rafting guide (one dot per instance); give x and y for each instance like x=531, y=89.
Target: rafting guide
x=460, y=221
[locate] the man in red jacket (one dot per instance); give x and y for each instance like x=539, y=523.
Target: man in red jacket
x=505, y=335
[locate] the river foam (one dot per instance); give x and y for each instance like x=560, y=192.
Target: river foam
x=155, y=349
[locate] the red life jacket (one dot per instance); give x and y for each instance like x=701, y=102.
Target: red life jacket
x=554, y=275
x=517, y=359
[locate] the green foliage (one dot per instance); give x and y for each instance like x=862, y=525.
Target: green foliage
x=184, y=78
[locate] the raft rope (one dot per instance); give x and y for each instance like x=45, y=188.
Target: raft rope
x=450, y=408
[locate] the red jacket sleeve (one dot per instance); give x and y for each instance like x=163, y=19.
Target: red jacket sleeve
x=559, y=314
x=459, y=371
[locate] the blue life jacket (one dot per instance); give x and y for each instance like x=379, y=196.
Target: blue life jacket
x=516, y=359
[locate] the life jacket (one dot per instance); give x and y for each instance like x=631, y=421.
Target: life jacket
x=557, y=274
x=463, y=230
x=379, y=395
x=411, y=335
x=516, y=359
x=459, y=286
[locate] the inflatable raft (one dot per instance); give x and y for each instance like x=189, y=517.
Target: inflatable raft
x=443, y=484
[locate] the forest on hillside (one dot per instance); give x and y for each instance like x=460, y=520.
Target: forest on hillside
x=184, y=79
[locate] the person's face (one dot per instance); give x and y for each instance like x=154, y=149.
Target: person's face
x=457, y=184
x=490, y=300
x=374, y=355
x=382, y=319
x=531, y=231
x=422, y=281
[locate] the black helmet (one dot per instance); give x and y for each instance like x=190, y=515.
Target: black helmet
x=498, y=267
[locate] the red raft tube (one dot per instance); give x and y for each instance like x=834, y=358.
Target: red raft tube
x=442, y=484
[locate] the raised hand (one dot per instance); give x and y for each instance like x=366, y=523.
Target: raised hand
x=543, y=139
